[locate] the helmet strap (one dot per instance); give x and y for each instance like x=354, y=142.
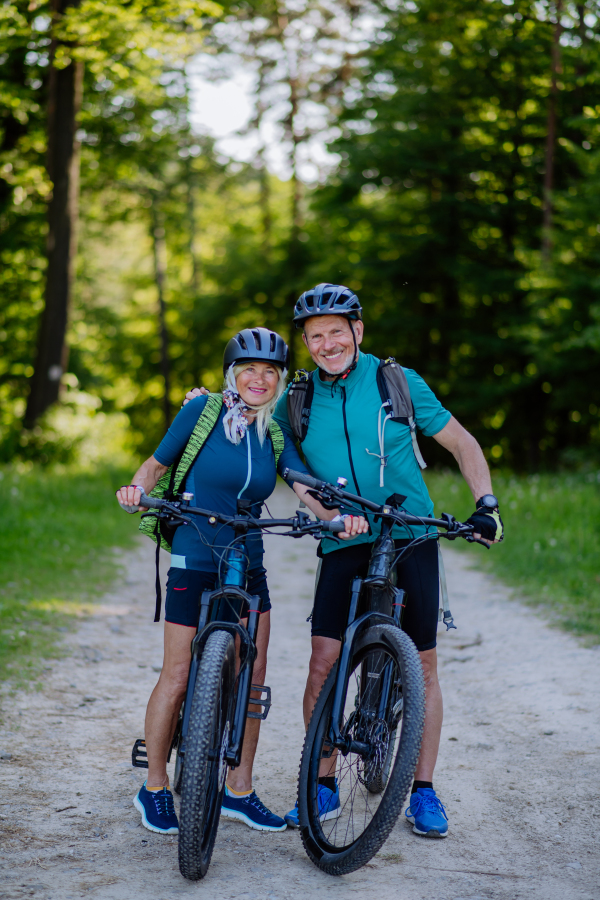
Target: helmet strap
x=343, y=375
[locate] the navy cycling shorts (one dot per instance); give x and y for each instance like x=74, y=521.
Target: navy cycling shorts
x=185, y=586
x=417, y=574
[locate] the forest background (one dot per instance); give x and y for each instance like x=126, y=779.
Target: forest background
x=460, y=200
x=459, y=197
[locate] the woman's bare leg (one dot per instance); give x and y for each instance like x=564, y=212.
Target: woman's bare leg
x=165, y=701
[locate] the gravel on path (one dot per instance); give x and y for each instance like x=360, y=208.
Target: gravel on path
x=518, y=767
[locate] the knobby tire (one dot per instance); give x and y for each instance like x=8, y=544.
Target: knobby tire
x=203, y=778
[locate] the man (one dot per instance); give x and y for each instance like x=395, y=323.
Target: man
x=345, y=437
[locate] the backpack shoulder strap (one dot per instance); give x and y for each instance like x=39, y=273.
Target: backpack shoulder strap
x=169, y=484
x=394, y=390
x=395, y=395
x=203, y=428
x=277, y=439
x=299, y=401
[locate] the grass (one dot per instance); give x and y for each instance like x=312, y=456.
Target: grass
x=58, y=531
x=57, y=534
x=551, y=551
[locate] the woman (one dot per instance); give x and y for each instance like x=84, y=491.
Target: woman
x=237, y=460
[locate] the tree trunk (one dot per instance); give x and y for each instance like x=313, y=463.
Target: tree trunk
x=261, y=162
x=551, y=138
x=160, y=277
x=65, y=89
x=193, y=238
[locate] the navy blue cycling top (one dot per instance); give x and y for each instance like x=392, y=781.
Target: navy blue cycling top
x=217, y=478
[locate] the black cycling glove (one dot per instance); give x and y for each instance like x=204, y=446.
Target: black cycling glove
x=487, y=523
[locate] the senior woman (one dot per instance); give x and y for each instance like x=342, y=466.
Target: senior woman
x=237, y=460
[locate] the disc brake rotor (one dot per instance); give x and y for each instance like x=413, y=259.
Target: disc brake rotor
x=222, y=752
x=378, y=736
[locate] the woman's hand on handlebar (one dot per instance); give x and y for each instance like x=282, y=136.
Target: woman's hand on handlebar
x=355, y=525
x=145, y=479
x=128, y=497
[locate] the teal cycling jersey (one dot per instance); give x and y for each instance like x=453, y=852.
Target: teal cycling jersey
x=343, y=440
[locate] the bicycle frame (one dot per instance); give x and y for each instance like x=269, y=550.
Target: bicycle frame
x=220, y=611
x=378, y=586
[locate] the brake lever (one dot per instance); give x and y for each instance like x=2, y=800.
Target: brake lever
x=473, y=540
x=452, y=526
x=326, y=501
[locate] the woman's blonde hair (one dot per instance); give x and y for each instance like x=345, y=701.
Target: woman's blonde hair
x=264, y=413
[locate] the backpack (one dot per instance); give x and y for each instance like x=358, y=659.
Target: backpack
x=170, y=484
x=393, y=390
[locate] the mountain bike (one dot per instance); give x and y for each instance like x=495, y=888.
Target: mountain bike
x=210, y=733
x=367, y=724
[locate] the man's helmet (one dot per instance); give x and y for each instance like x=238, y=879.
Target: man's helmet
x=327, y=300
x=256, y=345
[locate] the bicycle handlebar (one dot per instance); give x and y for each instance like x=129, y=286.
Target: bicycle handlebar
x=301, y=522
x=150, y=502
x=316, y=485
x=335, y=492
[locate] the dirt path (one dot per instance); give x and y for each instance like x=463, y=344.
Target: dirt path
x=518, y=767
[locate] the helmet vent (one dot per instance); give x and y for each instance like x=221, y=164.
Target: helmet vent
x=272, y=342
x=256, y=336
x=242, y=342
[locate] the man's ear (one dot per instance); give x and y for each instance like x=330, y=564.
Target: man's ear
x=359, y=330
x=304, y=337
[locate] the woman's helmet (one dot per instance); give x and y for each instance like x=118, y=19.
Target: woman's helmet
x=256, y=345
x=327, y=300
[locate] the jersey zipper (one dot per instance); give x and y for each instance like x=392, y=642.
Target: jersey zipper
x=343, y=389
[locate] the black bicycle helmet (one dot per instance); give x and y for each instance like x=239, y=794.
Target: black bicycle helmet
x=327, y=300
x=256, y=345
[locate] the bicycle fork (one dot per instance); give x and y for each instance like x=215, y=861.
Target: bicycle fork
x=343, y=742
x=247, y=644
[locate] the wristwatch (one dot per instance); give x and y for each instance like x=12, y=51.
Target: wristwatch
x=487, y=502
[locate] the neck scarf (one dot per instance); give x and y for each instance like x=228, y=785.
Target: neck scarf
x=235, y=421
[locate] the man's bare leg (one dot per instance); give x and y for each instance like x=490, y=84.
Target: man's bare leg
x=434, y=714
x=325, y=651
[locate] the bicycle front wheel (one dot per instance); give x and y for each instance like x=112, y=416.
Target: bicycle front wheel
x=203, y=778
x=382, y=722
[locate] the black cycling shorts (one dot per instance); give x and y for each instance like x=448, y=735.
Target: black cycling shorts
x=185, y=586
x=417, y=574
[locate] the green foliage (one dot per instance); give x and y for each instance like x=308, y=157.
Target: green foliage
x=133, y=123
x=436, y=216
x=552, y=544
x=57, y=533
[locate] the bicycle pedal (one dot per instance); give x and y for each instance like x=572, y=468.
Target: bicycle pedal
x=265, y=702
x=139, y=757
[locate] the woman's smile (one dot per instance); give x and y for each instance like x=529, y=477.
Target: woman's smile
x=257, y=383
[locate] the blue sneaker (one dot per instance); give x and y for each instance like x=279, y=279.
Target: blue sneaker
x=427, y=814
x=329, y=806
x=157, y=809
x=250, y=810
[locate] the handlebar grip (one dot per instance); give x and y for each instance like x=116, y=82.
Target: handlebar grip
x=333, y=527
x=301, y=478
x=150, y=502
